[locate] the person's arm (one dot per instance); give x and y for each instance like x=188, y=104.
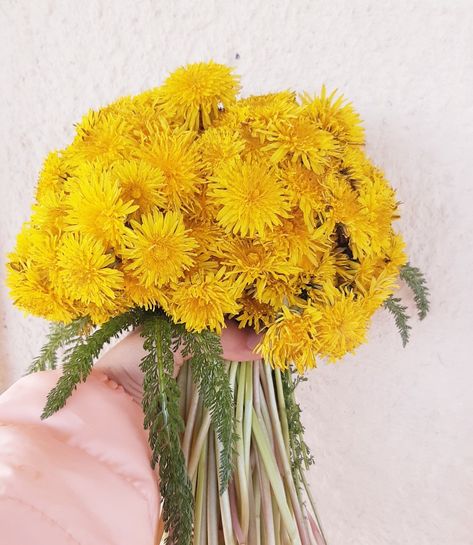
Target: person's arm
x=83, y=475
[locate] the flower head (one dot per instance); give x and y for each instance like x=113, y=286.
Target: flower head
x=334, y=115
x=49, y=213
x=193, y=93
x=292, y=338
x=100, y=136
x=51, y=179
x=343, y=323
x=251, y=198
x=175, y=154
x=202, y=300
x=86, y=271
x=254, y=313
x=141, y=184
x=159, y=248
x=95, y=206
x=300, y=139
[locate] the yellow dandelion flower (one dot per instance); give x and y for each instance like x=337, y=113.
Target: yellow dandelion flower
x=209, y=237
x=324, y=271
x=306, y=191
x=395, y=257
x=109, y=308
x=85, y=270
x=364, y=270
x=299, y=139
x=203, y=208
x=334, y=115
x=32, y=291
x=44, y=252
x=50, y=212
x=354, y=165
x=174, y=153
x=295, y=240
x=218, y=145
x=160, y=248
x=95, y=206
x=258, y=111
x=343, y=267
x=148, y=297
x=51, y=179
x=343, y=324
x=248, y=261
x=194, y=92
x=36, y=247
x=292, y=338
x=202, y=300
x=378, y=200
x=381, y=286
x=278, y=292
x=141, y=184
x=100, y=136
x=251, y=116
x=254, y=313
x=251, y=197
x=349, y=215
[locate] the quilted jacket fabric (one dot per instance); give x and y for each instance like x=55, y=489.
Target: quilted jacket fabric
x=80, y=477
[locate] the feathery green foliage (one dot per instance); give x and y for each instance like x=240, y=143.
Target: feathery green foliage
x=78, y=359
x=301, y=458
x=393, y=304
x=415, y=279
x=59, y=336
x=212, y=379
x=163, y=419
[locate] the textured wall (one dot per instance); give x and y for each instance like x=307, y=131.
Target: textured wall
x=390, y=428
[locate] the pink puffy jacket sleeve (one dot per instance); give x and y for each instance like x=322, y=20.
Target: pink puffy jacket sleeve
x=83, y=475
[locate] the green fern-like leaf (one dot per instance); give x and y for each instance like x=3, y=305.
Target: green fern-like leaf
x=393, y=304
x=301, y=458
x=60, y=335
x=78, y=359
x=415, y=279
x=162, y=418
x=214, y=387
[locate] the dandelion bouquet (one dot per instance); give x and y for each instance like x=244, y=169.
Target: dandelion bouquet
x=185, y=206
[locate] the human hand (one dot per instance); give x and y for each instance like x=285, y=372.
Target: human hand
x=121, y=362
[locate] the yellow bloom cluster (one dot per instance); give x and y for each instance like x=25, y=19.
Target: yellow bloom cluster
x=210, y=206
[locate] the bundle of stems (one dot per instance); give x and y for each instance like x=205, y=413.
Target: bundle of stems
x=268, y=500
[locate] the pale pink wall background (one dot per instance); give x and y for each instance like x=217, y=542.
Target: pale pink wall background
x=390, y=428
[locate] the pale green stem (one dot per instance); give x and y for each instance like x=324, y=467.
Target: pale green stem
x=282, y=412
x=247, y=417
x=251, y=493
x=279, y=441
x=312, y=503
x=266, y=505
x=200, y=498
x=256, y=386
x=274, y=476
x=190, y=422
x=182, y=382
x=266, y=420
x=199, y=441
x=241, y=473
x=189, y=388
x=257, y=497
x=234, y=511
x=277, y=521
x=225, y=510
x=212, y=505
